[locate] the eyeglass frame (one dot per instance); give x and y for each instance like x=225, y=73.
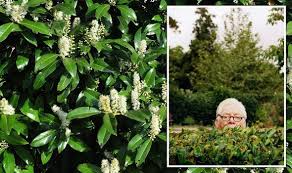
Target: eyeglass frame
x=229, y=117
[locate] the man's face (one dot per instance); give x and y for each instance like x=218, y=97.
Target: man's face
x=229, y=119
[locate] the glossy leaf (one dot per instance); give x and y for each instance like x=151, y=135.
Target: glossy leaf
x=289, y=28
x=37, y=27
x=103, y=136
x=63, y=83
x=29, y=37
x=143, y=152
x=88, y=168
x=138, y=38
x=13, y=138
x=45, y=157
x=127, y=12
x=29, y=110
x=21, y=62
x=6, y=29
x=82, y=112
x=43, y=138
x=8, y=162
x=34, y=3
x=102, y=10
x=150, y=77
x=77, y=144
x=70, y=66
x=135, y=142
x=24, y=154
x=44, y=61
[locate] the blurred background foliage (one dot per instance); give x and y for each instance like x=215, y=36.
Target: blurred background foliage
x=238, y=67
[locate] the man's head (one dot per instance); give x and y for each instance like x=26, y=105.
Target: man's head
x=231, y=113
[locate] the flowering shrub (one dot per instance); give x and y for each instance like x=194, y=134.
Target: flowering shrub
x=82, y=84
x=229, y=146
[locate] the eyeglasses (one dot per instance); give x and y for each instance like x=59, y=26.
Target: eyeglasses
x=227, y=118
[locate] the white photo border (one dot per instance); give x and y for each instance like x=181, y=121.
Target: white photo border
x=285, y=71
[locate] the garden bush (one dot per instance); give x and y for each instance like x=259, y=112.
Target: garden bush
x=230, y=146
x=82, y=86
x=201, y=106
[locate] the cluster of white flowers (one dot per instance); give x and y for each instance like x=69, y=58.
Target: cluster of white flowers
x=150, y=1
x=66, y=45
x=76, y=22
x=136, y=91
x=49, y=5
x=155, y=126
x=95, y=33
x=62, y=116
x=17, y=12
x=6, y=108
x=127, y=66
x=142, y=47
x=112, y=2
x=113, y=167
x=60, y=16
x=164, y=92
x=3, y=145
x=104, y=104
x=114, y=103
x=222, y=170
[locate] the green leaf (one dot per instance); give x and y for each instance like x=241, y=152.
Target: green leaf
x=78, y=144
x=14, y=99
x=162, y=113
x=108, y=123
x=125, y=79
x=99, y=64
x=8, y=162
x=103, y=136
x=289, y=124
x=123, y=26
x=127, y=13
x=45, y=157
x=6, y=29
x=70, y=66
x=162, y=136
x=88, y=168
x=36, y=26
x=289, y=28
x=195, y=170
x=162, y=5
x=21, y=62
x=49, y=43
x=43, y=138
x=63, y=83
x=150, y=77
x=143, y=152
x=29, y=37
x=6, y=123
x=101, y=10
x=135, y=142
x=24, y=154
x=44, y=61
x=13, y=138
x=137, y=38
x=82, y=112
x=290, y=50
x=157, y=18
x=62, y=98
x=110, y=81
x=137, y=115
x=39, y=81
x=63, y=143
x=152, y=28
x=28, y=110
x=34, y=3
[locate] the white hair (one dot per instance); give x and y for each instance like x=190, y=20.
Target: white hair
x=234, y=106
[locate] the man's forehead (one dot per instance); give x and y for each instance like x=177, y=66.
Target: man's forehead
x=230, y=109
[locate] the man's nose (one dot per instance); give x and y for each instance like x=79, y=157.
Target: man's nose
x=231, y=119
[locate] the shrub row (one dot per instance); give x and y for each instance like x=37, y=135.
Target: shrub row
x=249, y=146
x=201, y=106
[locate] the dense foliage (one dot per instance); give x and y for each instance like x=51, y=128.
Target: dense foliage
x=82, y=86
x=250, y=146
x=212, y=70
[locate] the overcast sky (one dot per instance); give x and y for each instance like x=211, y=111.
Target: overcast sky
x=186, y=17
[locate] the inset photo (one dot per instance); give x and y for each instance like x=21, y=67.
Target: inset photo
x=226, y=79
